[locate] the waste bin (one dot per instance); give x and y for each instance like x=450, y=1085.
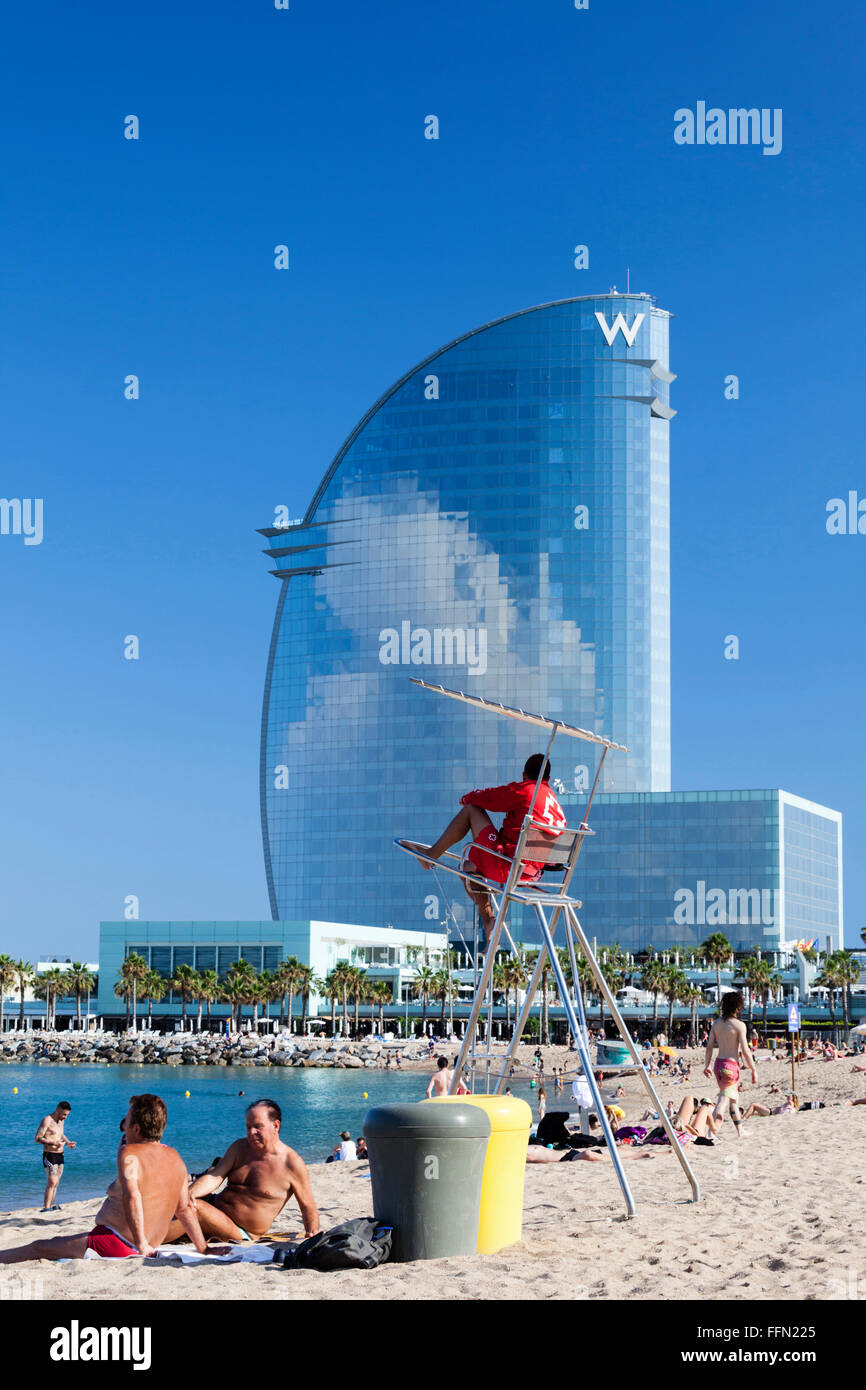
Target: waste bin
x=426, y=1167
x=501, y=1221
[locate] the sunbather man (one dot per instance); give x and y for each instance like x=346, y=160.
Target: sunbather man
x=262, y=1173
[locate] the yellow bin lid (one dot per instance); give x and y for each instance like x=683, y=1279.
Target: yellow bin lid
x=506, y=1113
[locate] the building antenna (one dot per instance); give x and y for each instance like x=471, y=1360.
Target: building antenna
x=628, y=279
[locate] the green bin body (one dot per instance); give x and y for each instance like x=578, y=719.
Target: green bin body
x=426, y=1166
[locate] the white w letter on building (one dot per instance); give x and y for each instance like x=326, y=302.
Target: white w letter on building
x=619, y=326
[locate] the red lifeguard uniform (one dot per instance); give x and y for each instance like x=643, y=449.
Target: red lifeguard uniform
x=515, y=800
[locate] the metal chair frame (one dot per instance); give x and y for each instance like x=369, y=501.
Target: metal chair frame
x=563, y=848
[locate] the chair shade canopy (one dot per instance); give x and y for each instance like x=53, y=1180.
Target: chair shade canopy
x=541, y=721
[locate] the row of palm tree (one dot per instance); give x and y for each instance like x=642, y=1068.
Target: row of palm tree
x=62, y=982
x=840, y=971
x=242, y=985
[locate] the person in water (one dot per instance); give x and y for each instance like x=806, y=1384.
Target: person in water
x=492, y=849
x=728, y=1034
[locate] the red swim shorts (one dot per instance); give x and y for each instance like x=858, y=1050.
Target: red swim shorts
x=479, y=854
x=107, y=1243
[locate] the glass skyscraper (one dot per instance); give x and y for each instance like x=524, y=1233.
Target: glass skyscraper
x=497, y=522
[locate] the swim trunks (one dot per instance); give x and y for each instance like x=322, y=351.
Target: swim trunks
x=481, y=855
x=727, y=1073
x=52, y=1160
x=106, y=1242
x=245, y=1235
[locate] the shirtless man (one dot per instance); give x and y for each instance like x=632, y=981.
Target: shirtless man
x=262, y=1174
x=440, y=1081
x=151, y=1185
x=728, y=1034
x=50, y=1135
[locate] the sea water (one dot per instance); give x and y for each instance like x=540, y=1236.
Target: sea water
x=316, y=1105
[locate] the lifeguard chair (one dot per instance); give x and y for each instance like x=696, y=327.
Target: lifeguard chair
x=558, y=853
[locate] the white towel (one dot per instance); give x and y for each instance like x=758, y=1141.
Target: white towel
x=239, y=1254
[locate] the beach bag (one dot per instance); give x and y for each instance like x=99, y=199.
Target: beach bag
x=359, y=1244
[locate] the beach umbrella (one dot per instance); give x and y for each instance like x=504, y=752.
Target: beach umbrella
x=671, y=1051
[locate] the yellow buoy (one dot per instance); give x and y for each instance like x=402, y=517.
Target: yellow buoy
x=14, y=1090
x=186, y=1093
x=365, y=1095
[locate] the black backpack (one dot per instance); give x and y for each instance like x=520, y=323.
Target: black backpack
x=359, y=1244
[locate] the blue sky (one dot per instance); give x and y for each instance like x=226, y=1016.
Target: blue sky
x=305, y=127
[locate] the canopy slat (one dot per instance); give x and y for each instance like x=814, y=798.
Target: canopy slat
x=541, y=721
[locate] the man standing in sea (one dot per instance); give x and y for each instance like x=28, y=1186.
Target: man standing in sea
x=50, y=1135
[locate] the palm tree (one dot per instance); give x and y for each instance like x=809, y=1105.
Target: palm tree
x=49, y=986
x=269, y=988
x=305, y=981
x=515, y=978
x=233, y=991
x=331, y=988
x=500, y=987
x=209, y=987
x=24, y=976
x=612, y=967
x=848, y=970
x=531, y=961
x=772, y=981
x=832, y=977
x=653, y=980
x=342, y=978
x=422, y=988
x=694, y=999
x=357, y=986
x=441, y=990
x=244, y=975
x=382, y=993
x=184, y=981
x=288, y=975
x=57, y=987
x=674, y=988
x=80, y=981
x=7, y=980
x=753, y=971
x=132, y=972
x=716, y=950
x=154, y=990
x=121, y=989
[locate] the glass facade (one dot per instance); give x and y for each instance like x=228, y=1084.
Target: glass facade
x=670, y=869
x=497, y=522
x=165, y=945
x=811, y=873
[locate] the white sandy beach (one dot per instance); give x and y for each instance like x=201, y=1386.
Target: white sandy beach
x=783, y=1215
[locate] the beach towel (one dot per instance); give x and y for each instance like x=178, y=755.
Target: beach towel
x=239, y=1254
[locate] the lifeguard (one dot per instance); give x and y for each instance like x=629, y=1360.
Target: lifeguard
x=492, y=850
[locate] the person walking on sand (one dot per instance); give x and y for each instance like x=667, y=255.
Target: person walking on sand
x=542, y=1103
x=491, y=850
x=728, y=1034
x=50, y=1135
